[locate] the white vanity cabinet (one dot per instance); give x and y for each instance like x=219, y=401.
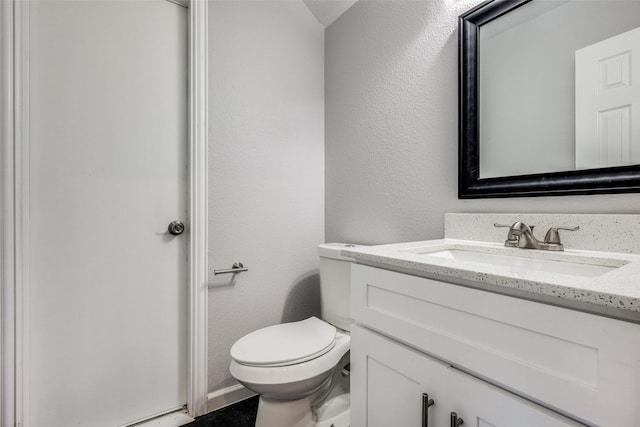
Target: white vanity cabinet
x=485, y=405
x=390, y=380
x=415, y=335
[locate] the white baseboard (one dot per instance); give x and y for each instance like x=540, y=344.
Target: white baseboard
x=216, y=400
x=173, y=418
x=227, y=396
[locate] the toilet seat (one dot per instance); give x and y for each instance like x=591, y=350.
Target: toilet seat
x=298, y=372
x=285, y=344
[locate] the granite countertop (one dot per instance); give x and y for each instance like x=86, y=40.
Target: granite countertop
x=613, y=289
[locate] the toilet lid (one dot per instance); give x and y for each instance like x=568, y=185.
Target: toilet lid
x=285, y=344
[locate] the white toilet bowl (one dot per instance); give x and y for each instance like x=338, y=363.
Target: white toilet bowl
x=292, y=366
x=300, y=369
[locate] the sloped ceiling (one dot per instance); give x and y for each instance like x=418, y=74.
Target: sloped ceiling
x=327, y=11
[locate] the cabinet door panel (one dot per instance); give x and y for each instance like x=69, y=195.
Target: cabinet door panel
x=483, y=405
x=388, y=380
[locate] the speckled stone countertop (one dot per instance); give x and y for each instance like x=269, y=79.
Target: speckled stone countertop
x=609, y=284
x=598, y=232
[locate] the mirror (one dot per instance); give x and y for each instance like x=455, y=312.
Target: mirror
x=549, y=98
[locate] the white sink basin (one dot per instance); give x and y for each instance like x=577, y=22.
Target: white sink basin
x=522, y=261
x=525, y=263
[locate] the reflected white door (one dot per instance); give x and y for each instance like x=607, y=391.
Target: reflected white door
x=106, y=311
x=608, y=102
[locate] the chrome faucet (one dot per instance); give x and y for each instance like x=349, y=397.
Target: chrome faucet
x=520, y=235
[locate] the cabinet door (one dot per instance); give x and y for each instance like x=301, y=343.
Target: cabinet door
x=481, y=404
x=388, y=380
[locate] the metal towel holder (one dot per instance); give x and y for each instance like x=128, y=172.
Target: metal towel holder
x=237, y=267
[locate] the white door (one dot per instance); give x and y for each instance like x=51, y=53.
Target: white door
x=608, y=102
x=106, y=304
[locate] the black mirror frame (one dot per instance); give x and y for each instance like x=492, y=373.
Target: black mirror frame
x=623, y=179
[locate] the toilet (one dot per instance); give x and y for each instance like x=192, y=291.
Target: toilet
x=301, y=369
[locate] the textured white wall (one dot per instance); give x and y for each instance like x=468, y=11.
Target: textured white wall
x=391, y=127
x=266, y=165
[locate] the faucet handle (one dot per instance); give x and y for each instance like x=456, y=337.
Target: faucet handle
x=511, y=236
x=553, y=236
x=495, y=224
x=517, y=226
x=517, y=231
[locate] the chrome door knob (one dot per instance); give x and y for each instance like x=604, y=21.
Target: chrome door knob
x=176, y=227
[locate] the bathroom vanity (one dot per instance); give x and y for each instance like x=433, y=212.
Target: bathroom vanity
x=503, y=338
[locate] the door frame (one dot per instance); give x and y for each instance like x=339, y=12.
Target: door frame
x=14, y=199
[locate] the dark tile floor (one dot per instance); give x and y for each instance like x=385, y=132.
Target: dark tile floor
x=241, y=414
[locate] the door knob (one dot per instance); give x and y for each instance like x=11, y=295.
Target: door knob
x=176, y=227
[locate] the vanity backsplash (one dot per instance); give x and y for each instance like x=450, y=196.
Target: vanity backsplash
x=609, y=233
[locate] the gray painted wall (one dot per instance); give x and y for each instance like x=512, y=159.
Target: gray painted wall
x=266, y=169
x=391, y=127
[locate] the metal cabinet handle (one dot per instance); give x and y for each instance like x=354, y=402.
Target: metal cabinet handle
x=237, y=267
x=426, y=403
x=455, y=420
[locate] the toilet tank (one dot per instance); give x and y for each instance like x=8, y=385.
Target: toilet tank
x=335, y=285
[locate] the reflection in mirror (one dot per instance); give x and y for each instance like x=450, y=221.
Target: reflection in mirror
x=555, y=90
x=546, y=152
